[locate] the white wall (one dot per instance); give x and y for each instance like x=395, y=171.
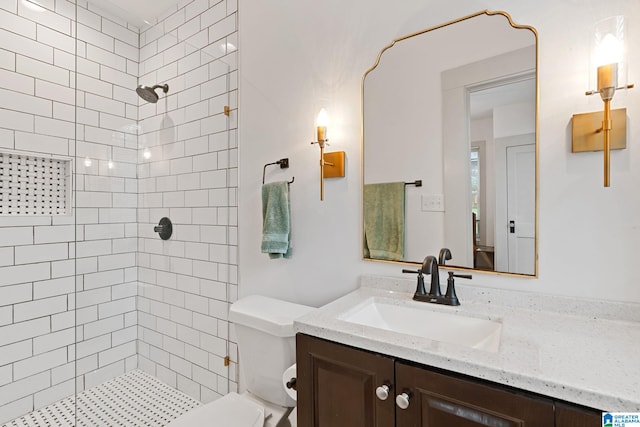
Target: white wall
x=308, y=55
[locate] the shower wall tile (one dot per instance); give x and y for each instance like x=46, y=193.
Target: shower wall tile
x=184, y=290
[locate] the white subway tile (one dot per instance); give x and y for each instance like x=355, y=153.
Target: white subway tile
x=28, y=104
x=95, y=37
x=35, y=142
x=174, y=20
x=103, y=326
x=46, y=17
x=116, y=307
x=28, y=47
x=53, y=234
x=55, y=393
x=109, y=121
x=214, y=14
x=92, y=297
x=17, y=82
x=104, y=104
x=56, y=39
x=17, y=24
x=24, y=273
x=189, y=62
x=24, y=387
x=92, y=346
x=93, y=199
x=14, y=352
x=7, y=60
x=24, y=330
x=54, y=127
x=103, y=279
x=16, y=236
x=6, y=256
x=54, y=287
x=93, y=85
x=120, y=33
x=42, y=70
x=126, y=50
x=40, y=363
x=106, y=57
x=55, y=340
x=39, y=308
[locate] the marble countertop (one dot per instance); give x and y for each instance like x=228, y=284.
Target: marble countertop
x=581, y=351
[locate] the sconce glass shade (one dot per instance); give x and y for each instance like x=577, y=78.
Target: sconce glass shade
x=608, y=51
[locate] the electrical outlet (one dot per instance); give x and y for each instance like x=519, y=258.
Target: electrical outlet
x=432, y=203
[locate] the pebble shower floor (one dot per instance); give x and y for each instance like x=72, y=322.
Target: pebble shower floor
x=130, y=400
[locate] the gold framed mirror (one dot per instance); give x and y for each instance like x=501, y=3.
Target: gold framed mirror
x=450, y=146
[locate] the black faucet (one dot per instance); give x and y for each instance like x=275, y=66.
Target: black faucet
x=430, y=266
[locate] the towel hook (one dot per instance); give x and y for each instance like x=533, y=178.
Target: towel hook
x=284, y=163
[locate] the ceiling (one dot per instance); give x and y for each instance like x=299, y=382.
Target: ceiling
x=137, y=12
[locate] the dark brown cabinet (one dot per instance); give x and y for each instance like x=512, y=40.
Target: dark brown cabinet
x=336, y=385
x=341, y=386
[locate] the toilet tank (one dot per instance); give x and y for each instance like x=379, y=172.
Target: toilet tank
x=266, y=344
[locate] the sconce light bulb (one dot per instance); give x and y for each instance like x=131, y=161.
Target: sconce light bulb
x=146, y=154
x=322, y=122
x=110, y=164
x=87, y=162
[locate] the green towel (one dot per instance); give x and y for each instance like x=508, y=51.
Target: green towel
x=384, y=221
x=276, y=229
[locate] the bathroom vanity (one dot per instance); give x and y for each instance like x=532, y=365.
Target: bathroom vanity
x=527, y=359
x=343, y=386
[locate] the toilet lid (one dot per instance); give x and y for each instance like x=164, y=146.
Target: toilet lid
x=231, y=410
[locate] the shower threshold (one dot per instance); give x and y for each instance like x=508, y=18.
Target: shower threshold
x=133, y=399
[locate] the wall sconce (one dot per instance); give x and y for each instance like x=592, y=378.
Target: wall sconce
x=331, y=164
x=611, y=132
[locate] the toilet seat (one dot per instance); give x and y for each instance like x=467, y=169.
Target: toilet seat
x=232, y=410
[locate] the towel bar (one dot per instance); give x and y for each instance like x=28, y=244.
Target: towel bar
x=284, y=163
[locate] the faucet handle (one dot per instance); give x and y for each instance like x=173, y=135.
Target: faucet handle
x=420, y=290
x=450, y=297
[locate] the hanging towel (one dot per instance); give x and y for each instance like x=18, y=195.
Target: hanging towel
x=384, y=221
x=276, y=228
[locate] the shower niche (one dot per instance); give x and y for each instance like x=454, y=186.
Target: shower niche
x=34, y=184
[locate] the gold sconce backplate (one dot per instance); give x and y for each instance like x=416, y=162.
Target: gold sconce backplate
x=334, y=164
x=586, y=131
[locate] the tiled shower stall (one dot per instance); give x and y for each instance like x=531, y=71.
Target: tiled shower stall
x=88, y=291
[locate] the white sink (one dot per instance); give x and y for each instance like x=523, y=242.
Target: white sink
x=422, y=321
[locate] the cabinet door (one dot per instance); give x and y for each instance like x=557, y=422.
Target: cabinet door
x=337, y=385
x=571, y=416
x=438, y=400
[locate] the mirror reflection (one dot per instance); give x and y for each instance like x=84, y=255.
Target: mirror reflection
x=449, y=146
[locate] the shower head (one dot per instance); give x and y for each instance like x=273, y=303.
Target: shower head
x=148, y=93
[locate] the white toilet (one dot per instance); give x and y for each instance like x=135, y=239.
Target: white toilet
x=266, y=346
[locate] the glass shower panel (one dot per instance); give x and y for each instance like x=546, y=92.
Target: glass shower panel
x=37, y=223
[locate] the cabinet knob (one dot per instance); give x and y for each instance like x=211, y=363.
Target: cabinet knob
x=383, y=392
x=402, y=400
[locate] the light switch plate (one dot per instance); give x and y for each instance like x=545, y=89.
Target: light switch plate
x=432, y=203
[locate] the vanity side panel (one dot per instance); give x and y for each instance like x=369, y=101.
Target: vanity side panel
x=337, y=384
